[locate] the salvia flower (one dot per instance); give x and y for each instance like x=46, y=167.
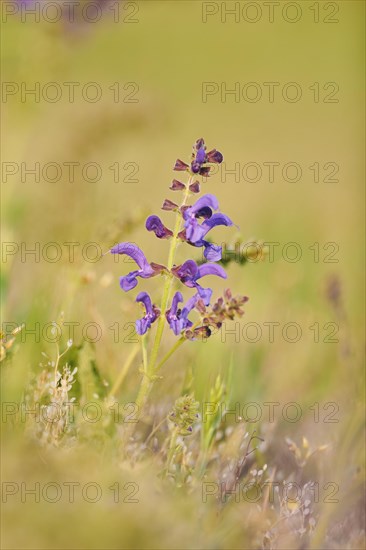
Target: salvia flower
x=152, y=313
x=178, y=318
x=189, y=273
x=193, y=224
x=195, y=232
x=154, y=223
x=128, y=282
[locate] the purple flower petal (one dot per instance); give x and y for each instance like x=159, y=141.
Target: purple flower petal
x=214, y=220
x=199, y=144
x=208, y=200
x=189, y=273
x=128, y=282
x=186, y=272
x=211, y=269
x=134, y=252
x=146, y=270
x=189, y=306
x=195, y=167
x=154, y=223
x=172, y=314
x=144, y=298
x=193, y=230
x=201, y=155
x=142, y=325
x=178, y=319
x=205, y=294
x=213, y=252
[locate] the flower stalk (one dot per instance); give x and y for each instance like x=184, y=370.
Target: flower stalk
x=150, y=374
x=192, y=223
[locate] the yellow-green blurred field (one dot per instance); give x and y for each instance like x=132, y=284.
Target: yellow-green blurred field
x=168, y=54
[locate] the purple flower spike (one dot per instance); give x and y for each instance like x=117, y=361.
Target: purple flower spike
x=128, y=282
x=154, y=223
x=178, y=319
x=152, y=313
x=189, y=273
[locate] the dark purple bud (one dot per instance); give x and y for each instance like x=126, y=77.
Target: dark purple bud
x=199, y=144
x=194, y=187
x=205, y=171
x=202, y=332
x=215, y=157
x=200, y=306
x=195, y=167
x=177, y=185
x=180, y=166
x=169, y=205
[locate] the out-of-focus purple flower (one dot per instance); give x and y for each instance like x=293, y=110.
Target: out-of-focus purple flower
x=200, y=158
x=154, y=223
x=189, y=273
x=195, y=232
x=152, y=313
x=178, y=318
x=146, y=270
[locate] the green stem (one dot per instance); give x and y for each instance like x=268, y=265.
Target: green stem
x=170, y=352
x=168, y=284
x=144, y=352
x=172, y=451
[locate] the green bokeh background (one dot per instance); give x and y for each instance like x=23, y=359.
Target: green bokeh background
x=170, y=53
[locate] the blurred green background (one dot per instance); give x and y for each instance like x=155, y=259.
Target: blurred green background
x=169, y=53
